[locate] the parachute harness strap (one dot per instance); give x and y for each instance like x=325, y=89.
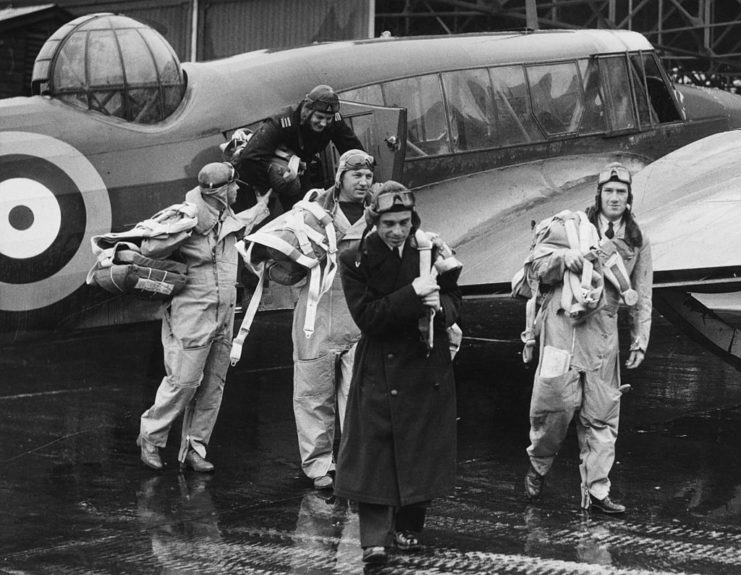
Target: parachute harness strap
x=426, y=323
x=319, y=283
x=249, y=315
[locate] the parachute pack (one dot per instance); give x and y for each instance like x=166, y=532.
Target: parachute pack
x=301, y=242
x=136, y=262
x=444, y=262
x=581, y=294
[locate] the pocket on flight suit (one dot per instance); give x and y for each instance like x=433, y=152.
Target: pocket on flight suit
x=550, y=393
x=315, y=377
x=552, y=380
x=191, y=362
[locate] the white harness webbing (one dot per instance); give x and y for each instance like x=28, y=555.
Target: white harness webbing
x=582, y=240
x=581, y=292
x=616, y=272
x=319, y=283
x=424, y=245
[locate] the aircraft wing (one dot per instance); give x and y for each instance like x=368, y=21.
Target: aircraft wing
x=689, y=205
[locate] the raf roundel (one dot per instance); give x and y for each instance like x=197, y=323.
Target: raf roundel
x=52, y=201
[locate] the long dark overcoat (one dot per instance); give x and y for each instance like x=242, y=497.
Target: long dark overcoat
x=398, y=442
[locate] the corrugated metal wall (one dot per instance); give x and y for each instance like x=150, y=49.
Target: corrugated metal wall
x=232, y=26
x=225, y=27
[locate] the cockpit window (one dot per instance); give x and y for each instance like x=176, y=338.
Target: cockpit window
x=555, y=90
x=113, y=65
x=621, y=111
x=427, y=127
x=662, y=103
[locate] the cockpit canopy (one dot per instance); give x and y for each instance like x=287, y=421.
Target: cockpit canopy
x=113, y=65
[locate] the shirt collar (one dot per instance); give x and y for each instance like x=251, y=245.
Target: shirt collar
x=617, y=226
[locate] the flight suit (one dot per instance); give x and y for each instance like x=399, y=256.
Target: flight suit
x=197, y=330
x=590, y=389
x=322, y=364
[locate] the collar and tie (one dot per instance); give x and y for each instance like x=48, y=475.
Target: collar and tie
x=609, y=232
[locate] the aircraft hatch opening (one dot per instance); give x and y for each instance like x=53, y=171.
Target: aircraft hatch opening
x=113, y=65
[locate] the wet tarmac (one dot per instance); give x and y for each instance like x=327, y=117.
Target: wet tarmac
x=76, y=500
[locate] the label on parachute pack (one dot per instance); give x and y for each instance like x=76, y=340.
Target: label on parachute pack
x=153, y=286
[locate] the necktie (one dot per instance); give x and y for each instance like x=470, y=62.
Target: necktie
x=610, y=232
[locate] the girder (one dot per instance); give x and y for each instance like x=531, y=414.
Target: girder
x=693, y=34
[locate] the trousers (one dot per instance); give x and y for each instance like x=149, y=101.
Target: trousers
x=595, y=402
x=193, y=386
x=320, y=390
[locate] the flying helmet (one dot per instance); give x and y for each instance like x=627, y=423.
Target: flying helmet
x=390, y=197
x=322, y=98
x=614, y=172
x=215, y=175
x=352, y=160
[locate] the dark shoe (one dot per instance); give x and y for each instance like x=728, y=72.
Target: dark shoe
x=406, y=541
x=150, y=455
x=374, y=555
x=605, y=505
x=196, y=463
x=533, y=483
x=324, y=482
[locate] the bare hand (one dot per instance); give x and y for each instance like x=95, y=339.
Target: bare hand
x=432, y=300
x=573, y=261
x=424, y=286
x=635, y=359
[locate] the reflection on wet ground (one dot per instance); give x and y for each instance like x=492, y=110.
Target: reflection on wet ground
x=76, y=500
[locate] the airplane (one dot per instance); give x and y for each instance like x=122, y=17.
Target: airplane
x=492, y=131
x=690, y=207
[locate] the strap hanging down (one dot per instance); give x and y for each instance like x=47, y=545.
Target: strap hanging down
x=424, y=245
x=249, y=314
x=320, y=281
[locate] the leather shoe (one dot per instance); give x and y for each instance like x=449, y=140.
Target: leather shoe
x=196, y=463
x=533, y=483
x=374, y=555
x=605, y=505
x=150, y=455
x=406, y=541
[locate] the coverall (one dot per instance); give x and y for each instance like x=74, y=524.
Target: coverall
x=197, y=329
x=322, y=364
x=590, y=388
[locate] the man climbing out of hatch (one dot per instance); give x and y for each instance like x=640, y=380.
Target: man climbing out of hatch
x=579, y=373
x=322, y=363
x=278, y=154
x=198, y=323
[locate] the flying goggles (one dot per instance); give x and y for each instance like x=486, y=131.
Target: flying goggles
x=360, y=161
x=619, y=173
x=231, y=176
x=386, y=202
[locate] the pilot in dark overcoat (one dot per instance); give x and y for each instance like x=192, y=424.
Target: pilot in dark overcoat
x=398, y=444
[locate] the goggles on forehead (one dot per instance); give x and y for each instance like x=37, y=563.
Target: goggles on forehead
x=232, y=177
x=615, y=173
x=360, y=161
x=386, y=202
